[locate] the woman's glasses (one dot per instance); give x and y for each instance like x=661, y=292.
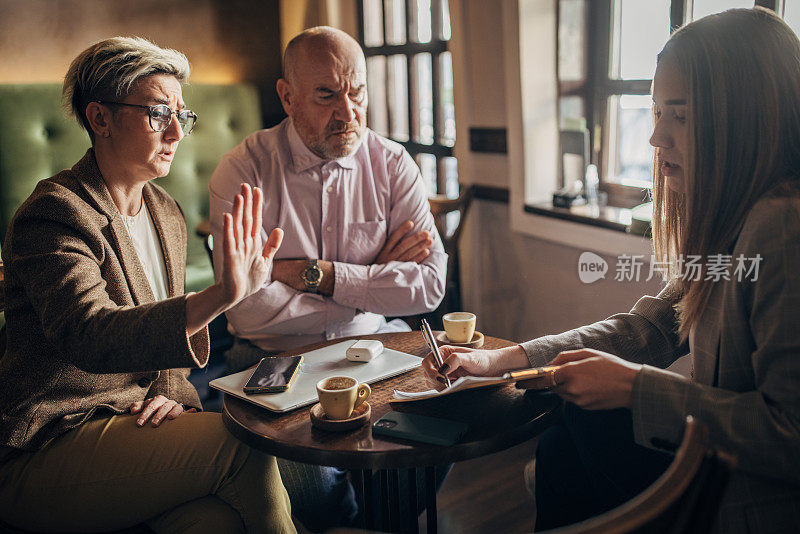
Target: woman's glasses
x=160, y=116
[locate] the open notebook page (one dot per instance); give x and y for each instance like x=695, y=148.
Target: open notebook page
x=465, y=382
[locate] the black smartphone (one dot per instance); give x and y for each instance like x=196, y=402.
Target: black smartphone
x=273, y=374
x=420, y=428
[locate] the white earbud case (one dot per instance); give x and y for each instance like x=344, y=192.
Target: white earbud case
x=364, y=350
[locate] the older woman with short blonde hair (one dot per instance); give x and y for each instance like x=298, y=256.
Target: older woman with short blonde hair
x=99, y=427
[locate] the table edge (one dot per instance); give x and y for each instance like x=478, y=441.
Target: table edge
x=394, y=459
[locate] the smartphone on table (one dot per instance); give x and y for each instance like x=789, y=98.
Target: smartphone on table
x=273, y=374
x=420, y=428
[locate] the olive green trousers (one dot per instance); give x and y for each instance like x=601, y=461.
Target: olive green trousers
x=189, y=475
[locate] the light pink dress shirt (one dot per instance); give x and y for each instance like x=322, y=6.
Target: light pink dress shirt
x=338, y=210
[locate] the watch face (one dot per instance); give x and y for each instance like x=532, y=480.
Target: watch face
x=313, y=274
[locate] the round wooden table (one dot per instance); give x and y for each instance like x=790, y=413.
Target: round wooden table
x=498, y=418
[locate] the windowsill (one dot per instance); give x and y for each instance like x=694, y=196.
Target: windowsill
x=610, y=217
x=602, y=230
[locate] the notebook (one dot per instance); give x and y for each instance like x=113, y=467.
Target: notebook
x=538, y=378
x=319, y=364
x=463, y=383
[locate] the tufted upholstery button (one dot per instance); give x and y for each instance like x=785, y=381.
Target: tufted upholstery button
x=144, y=382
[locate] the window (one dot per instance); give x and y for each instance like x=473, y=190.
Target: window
x=605, y=66
x=410, y=83
x=791, y=14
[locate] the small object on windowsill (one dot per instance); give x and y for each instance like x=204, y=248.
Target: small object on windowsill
x=569, y=196
x=594, y=197
x=567, y=200
x=592, y=185
x=642, y=219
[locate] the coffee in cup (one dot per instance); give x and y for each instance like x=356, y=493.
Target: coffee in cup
x=459, y=326
x=340, y=395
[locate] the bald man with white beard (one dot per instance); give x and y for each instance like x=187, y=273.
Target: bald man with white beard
x=360, y=241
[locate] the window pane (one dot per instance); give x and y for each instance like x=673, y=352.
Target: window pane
x=631, y=156
x=445, y=20
x=640, y=31
x=427, y=165
x=395, y=21
x=449, y=169
x=574, y=140
x=398, y=97
x=373, y=22
x=701, y=8
x=571, y=115
x=447, y=116
x=421, y=25
x=422, y=99
x=571, y=40
x=791, y=15
x=378, y=115
x=450, y=166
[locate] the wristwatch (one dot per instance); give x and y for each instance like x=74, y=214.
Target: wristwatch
x=312, y=276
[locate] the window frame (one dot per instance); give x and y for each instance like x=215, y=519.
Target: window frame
x=597, y=87
x=409, y=49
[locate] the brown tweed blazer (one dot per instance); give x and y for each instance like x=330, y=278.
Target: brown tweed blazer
x=746, y=384
x=85, y=334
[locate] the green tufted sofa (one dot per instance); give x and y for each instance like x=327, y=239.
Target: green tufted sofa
x=37, y=140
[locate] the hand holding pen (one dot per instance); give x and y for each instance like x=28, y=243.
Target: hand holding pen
x=427, y=333
x=463, y=361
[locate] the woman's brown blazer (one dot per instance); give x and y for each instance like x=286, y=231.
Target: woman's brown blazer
x=85, y=335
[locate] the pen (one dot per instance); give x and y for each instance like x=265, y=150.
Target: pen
x=535, y=372
x=428, y=334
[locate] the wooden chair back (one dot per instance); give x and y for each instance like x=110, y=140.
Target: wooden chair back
x=441, y=207
x=685, y=499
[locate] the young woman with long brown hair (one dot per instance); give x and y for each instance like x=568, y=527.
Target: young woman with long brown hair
x=726, y=189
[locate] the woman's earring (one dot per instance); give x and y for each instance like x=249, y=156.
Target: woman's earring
x=106, y=134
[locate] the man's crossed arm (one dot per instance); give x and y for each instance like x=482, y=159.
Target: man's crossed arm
x=403, y=245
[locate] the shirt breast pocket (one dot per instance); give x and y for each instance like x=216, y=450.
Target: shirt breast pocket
x=364, y=241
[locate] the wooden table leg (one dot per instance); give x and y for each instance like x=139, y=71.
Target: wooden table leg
x=366, y=513
x=430, y=497
x=394, y=501
x=413, y=517
x=357, y=479
x=383, y=475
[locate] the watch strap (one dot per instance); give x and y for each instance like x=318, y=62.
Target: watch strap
x=312, y=286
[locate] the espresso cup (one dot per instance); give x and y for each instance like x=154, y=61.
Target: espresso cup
x=340, y=395
x=459, y=326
